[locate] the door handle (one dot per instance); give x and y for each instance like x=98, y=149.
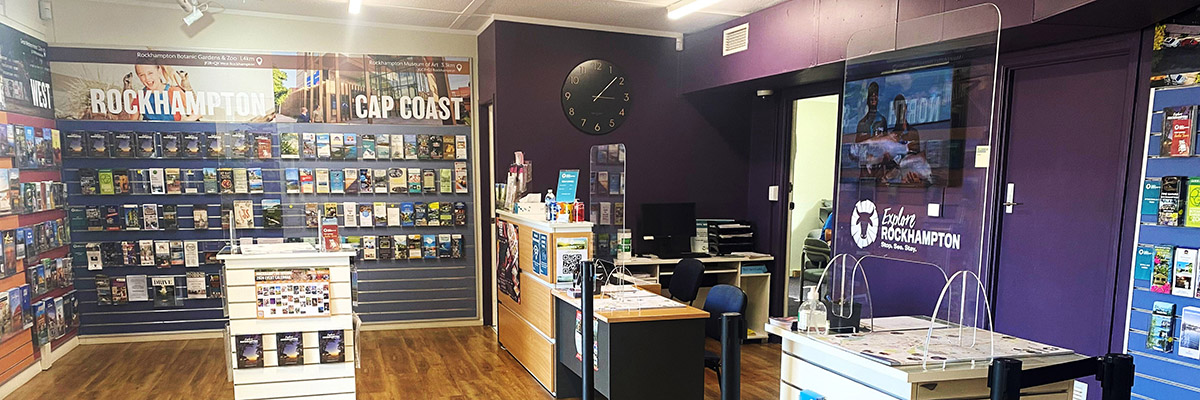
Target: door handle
x=1009, y=203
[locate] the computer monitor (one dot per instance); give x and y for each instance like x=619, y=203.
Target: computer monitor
x=667, y=229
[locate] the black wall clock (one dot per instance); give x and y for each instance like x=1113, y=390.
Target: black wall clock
x=595, y=97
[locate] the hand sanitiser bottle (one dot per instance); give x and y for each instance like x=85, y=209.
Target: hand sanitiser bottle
x=812, y=316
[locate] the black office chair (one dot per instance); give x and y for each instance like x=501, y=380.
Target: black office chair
x=816, y=255
x=685, y=281
x=722, y=299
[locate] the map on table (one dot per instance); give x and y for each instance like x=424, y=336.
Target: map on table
x=946, y=346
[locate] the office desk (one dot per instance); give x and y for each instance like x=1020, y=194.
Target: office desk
x=725, y=269
x=838, y=374
x=647, y=354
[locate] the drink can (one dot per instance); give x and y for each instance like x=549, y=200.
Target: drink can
x=579, y=214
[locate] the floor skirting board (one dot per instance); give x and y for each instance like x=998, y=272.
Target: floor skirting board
x=150, y=337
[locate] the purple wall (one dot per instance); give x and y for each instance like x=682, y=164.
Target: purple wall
x=486, y=67
x=800, y=34
x=679, y=149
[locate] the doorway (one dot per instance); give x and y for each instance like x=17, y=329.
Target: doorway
x=814, y=151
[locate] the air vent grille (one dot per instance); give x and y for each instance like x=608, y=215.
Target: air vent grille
x=735, y=39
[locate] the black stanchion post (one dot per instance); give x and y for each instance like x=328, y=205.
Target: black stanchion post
x=1004, y=378
x=588, y=272
x=1116, y=379
x=731, y=356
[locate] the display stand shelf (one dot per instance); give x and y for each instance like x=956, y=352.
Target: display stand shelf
x=313, y=378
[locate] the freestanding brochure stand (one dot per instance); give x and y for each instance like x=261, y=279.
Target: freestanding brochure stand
x=291, y=331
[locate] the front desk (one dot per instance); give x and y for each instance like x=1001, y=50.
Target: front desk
x=526, y=327
x=838, y=374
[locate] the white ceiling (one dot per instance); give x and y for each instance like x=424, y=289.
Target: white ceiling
x=473, y=15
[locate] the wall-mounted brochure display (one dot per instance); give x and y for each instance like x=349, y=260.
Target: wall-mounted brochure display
x=37, y=290
x=38, y=298
x=1164, y=309
x=372, y=148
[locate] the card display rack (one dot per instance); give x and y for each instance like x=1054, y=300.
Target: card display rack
x=302, y=356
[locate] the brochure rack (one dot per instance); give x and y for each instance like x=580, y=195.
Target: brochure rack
x=313, y=376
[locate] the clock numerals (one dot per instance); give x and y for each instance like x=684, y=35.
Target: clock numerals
x=596, y=97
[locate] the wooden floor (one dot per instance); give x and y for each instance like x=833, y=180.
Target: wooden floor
x=440, y=363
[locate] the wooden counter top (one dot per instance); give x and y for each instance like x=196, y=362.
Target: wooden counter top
x=650, y=314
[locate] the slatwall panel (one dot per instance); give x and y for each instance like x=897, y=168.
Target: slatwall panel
x=1163, y=375
x=402, y=290
x=389, y=291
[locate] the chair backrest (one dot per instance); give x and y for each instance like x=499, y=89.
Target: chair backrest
x=722, y=299
x=817, y=251
x=685, y=281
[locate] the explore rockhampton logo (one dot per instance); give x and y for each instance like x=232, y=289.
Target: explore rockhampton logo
x=895, y=230
x=864, y=223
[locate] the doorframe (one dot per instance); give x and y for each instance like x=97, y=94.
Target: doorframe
x=486, y=177
x=1125, y=44
x=784, y=142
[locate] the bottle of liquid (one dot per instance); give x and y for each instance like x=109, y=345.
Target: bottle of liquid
x=812, y=317
x=549, y=201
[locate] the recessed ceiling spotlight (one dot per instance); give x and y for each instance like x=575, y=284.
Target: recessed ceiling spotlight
x=685, y=7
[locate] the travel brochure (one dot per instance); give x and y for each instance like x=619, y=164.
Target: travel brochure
x=239, y=144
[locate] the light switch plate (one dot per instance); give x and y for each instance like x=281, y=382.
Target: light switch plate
x=773, y=193
x=935, y=210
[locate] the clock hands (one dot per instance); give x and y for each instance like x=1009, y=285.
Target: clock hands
x=596, y=97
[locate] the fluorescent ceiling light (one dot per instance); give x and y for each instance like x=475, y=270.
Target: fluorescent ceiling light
x=685, y=7
x=355, y=6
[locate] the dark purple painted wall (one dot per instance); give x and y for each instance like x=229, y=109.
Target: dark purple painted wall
x=678, y=149
x=800, y=34
x=486, y=66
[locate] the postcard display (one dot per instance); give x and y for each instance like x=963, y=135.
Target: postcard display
x=152, y=202
x=291, y=324
x=1164, y=307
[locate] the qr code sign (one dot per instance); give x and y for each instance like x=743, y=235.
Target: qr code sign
x=570, y=262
